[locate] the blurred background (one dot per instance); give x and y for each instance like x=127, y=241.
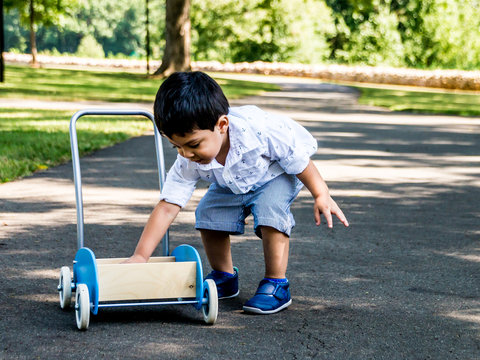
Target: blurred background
x=423, y=34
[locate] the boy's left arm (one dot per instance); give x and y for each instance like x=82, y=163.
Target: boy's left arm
x=324, y=204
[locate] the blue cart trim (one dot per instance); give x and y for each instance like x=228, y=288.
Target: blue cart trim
x=151, y=303
x=188, y=253
x=85, y=272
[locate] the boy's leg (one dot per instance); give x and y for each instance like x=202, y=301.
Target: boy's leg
x=273, y=223
x=217, y=248
x=219, y=214
x=275, y=250
x=273, y=293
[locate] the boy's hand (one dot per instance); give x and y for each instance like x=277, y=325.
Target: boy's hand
x=325, y=205
x=134, y=259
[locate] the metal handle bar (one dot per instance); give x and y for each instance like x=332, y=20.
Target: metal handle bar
x=76, y=163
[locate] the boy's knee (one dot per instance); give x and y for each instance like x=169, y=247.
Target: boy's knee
x=208, y=234
x=269, y=232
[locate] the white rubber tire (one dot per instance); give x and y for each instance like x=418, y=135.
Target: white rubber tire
x=65, y=287
x=210, y=309
x=82, y=307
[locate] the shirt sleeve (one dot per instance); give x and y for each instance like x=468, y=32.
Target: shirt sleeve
x=180, y=183
x=289, y=143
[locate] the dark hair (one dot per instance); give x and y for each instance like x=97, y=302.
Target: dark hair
x=188, y=101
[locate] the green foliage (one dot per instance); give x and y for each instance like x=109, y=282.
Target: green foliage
x=418, y=45
x=376, y=41
x=118, y=25
x=268, y=30
x=412, y=33
x=33, y=14
x=15, y=34
x=46, y=12
x=90, y=48
x=454, y=28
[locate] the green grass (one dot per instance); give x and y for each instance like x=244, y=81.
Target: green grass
x=422, y=101
x=32, y=140
x=74, y=85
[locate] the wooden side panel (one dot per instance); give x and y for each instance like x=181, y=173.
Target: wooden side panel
x=163, y=280
x=151, y=260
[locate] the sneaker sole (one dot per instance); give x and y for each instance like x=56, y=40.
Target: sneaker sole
x=266, y=312
x=229, y=296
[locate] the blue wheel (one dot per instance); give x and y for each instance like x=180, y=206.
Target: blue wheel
x=210, y=306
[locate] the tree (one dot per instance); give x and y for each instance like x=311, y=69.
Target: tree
x=176, y=56
x=265, y=30
x=2, y=43
x=35, y=12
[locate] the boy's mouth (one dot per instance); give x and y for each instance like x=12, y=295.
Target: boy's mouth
x=201, y=161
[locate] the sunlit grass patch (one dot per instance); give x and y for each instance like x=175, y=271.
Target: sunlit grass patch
x=422, y=101
x=32, y=140
x=76, y=85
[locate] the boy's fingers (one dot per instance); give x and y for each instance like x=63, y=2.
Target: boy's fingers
x=316, y=214
x=328, y=216
x=342, y=217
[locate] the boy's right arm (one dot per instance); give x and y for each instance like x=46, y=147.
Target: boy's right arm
x=157, y=225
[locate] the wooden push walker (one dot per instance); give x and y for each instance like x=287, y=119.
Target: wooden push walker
x=101, y=283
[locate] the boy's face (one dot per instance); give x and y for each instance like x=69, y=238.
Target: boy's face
x=202, y=146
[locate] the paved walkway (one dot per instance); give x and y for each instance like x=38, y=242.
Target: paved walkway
x=401, y=283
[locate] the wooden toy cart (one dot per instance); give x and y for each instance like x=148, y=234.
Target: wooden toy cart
x=100, y=283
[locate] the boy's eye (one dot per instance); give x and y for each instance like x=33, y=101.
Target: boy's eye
x=193, y=146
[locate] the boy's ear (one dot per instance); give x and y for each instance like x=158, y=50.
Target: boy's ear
x=222, y=124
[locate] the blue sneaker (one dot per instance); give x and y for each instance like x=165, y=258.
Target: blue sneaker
x=227, y=284
x=271, y=297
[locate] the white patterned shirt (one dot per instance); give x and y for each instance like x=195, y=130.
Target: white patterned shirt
x=262, y=147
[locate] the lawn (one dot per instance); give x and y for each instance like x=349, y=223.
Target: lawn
x=430, y=101
x=32, y=140
x=73, y=85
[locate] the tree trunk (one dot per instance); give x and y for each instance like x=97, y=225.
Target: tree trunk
x=33, y=41
x=2, y=44
x=147, y=35
x=176, y=56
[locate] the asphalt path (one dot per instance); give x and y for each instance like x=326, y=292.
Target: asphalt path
x=402, y=282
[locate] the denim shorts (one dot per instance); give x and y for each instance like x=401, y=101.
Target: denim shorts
x=222, y=210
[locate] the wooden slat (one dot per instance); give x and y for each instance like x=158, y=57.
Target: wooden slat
x=151, y=260
x=163, y=280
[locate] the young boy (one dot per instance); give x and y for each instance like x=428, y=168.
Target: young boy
x=257, y=163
